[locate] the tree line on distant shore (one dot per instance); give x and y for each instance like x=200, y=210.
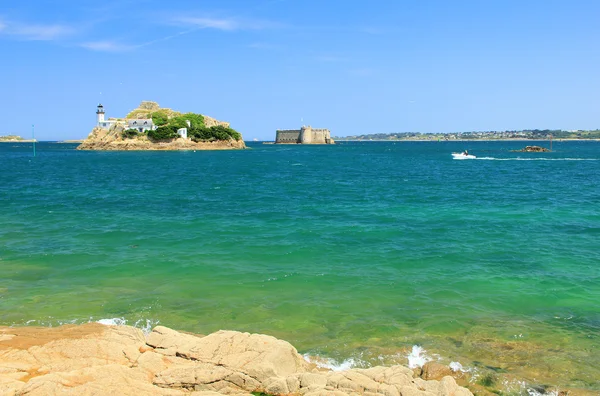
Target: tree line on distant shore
x=534, y=134
x=197, y=130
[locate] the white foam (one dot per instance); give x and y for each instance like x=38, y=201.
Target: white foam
x=64, y=322
x=533, y=392
x=417, y=357
x=113, y=322
x=330, y=363
x=456, y=366
x=146, y=327
x=521, y=387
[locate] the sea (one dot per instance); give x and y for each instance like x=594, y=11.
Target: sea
x=359, y=253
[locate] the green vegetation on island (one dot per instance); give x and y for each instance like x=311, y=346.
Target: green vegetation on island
x=164, y=117
x=168, y=125
x=527, y=134
x=130, y=133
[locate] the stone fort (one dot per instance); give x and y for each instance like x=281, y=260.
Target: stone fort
x=304, y=135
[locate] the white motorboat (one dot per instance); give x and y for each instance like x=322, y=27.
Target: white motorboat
x=462, y=156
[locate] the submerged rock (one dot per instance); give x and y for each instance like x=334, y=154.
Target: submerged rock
x=434, y=370
x=98, y=359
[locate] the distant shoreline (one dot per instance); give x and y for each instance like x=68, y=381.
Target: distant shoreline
x=352, y=140
x=462, y=140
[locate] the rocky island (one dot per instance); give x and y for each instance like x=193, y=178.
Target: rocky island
x=532, y=149
x=95, y=359
x=150, y=127
x=15, y=139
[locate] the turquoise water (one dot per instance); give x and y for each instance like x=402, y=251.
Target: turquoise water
x=354, y=251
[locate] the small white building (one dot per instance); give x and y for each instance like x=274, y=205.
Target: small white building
x=183, y=131
x=142, y=124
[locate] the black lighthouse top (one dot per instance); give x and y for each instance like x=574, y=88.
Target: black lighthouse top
x=100, y=109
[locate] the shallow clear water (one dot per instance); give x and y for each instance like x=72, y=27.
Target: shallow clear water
x=358, y=250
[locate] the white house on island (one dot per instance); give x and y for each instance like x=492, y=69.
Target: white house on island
x=142, y=124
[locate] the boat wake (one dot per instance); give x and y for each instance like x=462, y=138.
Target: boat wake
x=536, y=159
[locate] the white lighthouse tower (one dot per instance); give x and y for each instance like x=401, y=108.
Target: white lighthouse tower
x=100, y=115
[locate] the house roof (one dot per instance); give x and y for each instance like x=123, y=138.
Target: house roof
x=141, y=122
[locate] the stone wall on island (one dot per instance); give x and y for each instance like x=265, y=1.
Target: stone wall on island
x=94, y=359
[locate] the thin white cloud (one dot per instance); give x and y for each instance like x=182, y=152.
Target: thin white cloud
x=193, y=24
x=209, y=23
x=165, y=38
x=331, y=58
x=35, y=32
x=107, y=46
x=114, y=46
x=225, y=24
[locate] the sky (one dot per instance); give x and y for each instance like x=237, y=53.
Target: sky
x=352, y=66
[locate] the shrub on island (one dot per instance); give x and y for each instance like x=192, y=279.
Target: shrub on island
x=196, y=120
x=129, y=133
x=163, y=133
x=217, y=132
x=160, y=118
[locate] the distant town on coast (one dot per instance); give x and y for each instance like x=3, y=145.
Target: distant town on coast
x=527, y=134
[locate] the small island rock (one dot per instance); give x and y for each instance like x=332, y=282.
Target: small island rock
x=532, y=149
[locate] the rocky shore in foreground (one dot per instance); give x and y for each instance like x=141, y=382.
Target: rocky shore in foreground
x=94, y=359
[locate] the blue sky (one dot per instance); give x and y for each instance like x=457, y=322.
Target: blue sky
x=378, y=66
